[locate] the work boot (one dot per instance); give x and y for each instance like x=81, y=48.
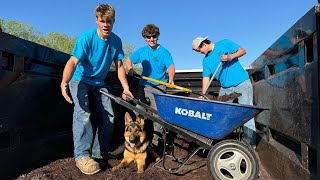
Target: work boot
x=87, y=165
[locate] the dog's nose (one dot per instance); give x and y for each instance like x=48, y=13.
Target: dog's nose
x=131, y=139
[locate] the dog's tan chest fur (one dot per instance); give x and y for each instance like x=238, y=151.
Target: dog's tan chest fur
x=136, y=144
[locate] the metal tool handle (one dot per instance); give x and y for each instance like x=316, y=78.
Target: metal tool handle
x=166, y=84
x=173, y=86
x=214, y=74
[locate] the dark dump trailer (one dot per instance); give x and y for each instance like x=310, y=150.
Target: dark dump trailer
x=286, y=80
x=35, y=120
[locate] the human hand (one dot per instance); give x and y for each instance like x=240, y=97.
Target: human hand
x=127, y=95
x=225, y=57
x=132, y=72
x=201, y=97
x=64, y=90
x=170, y=84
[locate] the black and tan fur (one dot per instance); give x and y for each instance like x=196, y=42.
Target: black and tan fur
x=136, y=144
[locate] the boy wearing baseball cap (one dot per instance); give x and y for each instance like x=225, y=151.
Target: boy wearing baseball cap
x=231, y=75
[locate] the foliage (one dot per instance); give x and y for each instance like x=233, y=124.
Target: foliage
x=1, y=23
x=21, y=30
x=56, y=41
x=128, y=49
x=60, y=42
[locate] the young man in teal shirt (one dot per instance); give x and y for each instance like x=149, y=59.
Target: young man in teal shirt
x=231, y=75
x=156, y=61
x=84, y=75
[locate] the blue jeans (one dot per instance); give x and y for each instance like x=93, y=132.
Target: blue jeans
x=92, y=120
x=249, y=128
x=144, y=94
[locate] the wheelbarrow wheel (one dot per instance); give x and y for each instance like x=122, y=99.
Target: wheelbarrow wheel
x=230, y=159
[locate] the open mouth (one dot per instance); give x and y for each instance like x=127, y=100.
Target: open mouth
x=132, y=145
x=105, y=30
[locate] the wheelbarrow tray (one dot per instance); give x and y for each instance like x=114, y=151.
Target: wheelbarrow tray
x=212, y=119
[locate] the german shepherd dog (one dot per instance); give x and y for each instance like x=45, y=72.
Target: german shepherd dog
x=136, y=144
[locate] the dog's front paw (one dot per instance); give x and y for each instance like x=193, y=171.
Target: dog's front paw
x=115, y=169
x=157, y=159
x=140, y=171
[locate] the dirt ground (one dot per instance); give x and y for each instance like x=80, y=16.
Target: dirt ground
x=195, y=169
x=65, y=168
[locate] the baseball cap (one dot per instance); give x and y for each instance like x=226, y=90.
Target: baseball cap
x=197, y=41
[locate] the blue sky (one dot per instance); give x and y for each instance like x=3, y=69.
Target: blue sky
x=253, y=24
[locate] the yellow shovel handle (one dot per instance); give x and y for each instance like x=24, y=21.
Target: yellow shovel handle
x=166, y=84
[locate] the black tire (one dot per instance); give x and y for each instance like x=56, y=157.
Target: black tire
x=230, y=159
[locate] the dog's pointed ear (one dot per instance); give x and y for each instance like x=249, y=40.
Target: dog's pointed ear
x=140, y=120
x=127, y=118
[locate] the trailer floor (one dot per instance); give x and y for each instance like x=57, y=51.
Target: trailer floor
x=65, y=169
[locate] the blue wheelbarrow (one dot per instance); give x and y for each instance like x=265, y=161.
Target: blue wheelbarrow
x=209, y=125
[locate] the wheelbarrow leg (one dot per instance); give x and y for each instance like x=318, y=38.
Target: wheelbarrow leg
x=178, y=168
x=166, y=152
x=185, y=160
x=169, y=153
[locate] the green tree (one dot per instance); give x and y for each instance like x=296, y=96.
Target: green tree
x=128, y=49
x=60, y=42
x=1, y=23
x=19, y=29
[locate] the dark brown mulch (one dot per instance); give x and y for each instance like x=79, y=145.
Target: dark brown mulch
x=230, y=97
x=224, y=98
x=65, y=168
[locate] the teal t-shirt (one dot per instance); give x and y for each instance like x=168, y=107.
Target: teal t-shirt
x=95, y=56
x=230, y=73
x=155, y=63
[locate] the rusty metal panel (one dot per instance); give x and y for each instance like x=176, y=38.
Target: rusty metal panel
x=286, y=80
x=289, y=84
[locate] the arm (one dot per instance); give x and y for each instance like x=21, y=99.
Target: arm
x=171, y=72
x=123, y=80
x=129, y=63
x=131, y=71
x=205, y=81
x=67, y=75
x=228, y=57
